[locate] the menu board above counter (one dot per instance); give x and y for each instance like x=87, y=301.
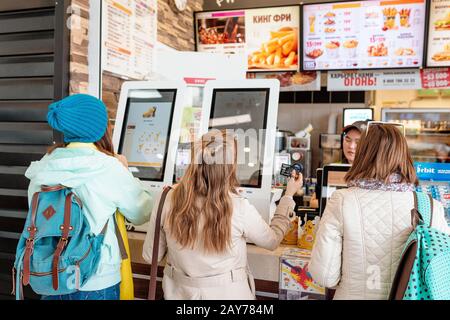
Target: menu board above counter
x=220, y=32
x=438, y=47
x=129, y=37
x=267, y=37
x=363, y=35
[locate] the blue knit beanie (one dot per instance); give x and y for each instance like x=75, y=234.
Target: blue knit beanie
x=80, y=117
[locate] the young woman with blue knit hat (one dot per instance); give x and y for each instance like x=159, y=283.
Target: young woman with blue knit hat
x=86, y=163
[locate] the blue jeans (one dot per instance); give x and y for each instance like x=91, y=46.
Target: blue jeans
x=111, y=293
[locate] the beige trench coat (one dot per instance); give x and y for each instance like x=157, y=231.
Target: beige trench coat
x=192, y=274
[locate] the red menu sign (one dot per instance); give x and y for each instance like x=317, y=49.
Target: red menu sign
x=435, y=78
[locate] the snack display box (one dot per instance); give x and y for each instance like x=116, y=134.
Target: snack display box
x=296, y=282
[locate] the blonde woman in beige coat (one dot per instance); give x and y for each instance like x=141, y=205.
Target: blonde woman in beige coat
x=205, y=224
x=365, y=227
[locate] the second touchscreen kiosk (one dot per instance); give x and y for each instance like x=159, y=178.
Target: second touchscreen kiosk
x=248, y=107
x=147, y=128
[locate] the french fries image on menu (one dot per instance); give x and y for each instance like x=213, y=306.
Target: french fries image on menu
x=389, y=18
x=404, y=17
x=281, y=51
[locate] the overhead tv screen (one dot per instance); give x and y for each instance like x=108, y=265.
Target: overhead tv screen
x=363, y=35
x=268, y=38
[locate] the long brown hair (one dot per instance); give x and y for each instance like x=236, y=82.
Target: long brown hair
x=202, y=207
x=382, y=152
x=104, y=145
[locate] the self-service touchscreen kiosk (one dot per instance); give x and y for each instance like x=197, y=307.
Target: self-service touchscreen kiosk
x=190, y=128
x=250, y=108
x=147, y=129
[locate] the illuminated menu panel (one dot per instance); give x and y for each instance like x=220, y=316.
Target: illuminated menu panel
x=267, y=37
x=363, y=35
x=438, y=52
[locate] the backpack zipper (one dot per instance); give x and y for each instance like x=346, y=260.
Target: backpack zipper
x=42, y=274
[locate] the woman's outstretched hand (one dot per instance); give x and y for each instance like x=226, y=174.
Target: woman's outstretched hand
x=294, y=184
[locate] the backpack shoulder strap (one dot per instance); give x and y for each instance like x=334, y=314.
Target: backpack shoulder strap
x=120, y=241
x=154, y=266
x=423, y=203
x=123, y=250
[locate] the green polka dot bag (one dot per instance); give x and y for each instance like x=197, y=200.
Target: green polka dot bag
x=424, y=269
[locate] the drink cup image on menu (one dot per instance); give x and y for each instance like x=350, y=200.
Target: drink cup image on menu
x=332, y=49
x=312, y=23
x=351, y=47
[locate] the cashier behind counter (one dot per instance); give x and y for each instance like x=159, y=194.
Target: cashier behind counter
x=351, y=135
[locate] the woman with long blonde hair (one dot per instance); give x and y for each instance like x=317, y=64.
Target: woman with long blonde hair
x=205, y=224
x=364, y=228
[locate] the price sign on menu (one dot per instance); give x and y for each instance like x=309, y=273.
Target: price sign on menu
x=435, y=78
x=438, y=48
x=269, y=37
x=363, y=35
x=374, y=80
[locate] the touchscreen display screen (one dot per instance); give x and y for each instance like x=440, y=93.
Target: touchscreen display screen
x=146, y=132
x=245, y=111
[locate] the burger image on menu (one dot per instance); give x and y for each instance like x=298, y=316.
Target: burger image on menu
x=405, y=52
x=444, y=55
x=443, y=24
x=333, y=49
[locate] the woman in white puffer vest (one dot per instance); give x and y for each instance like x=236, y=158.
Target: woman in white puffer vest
x=365, y=227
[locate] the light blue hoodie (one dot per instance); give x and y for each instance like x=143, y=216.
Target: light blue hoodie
x=103, y=184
